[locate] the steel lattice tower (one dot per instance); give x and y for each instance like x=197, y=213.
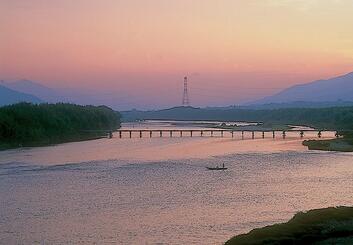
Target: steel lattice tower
x=186, y=101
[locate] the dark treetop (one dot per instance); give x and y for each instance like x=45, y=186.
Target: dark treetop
x=26, y=124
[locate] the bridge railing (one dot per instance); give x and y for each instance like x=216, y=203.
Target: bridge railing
x=215, y=132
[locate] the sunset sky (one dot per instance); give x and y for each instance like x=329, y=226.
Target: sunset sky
x=232, y=50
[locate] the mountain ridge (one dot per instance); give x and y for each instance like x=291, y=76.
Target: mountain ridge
x=44, y=93
x=9, y=96
x=328, y=90
x=325, y=92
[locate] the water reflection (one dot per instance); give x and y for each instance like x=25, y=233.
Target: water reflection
x=158, y=191
x=157, y=148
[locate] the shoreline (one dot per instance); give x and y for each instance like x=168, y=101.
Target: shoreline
x=340, y=145
x=319, y=226
x=52, y=142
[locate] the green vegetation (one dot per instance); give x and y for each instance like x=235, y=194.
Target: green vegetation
x=323, y=118
x=345, y=145
x=319, y=226
x=331, y=118
x=28, y=124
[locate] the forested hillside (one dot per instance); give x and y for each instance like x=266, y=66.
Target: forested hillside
x=335, y=118
x=26, y=124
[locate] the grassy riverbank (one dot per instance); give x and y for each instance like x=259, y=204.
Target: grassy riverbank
x=27, y=125
x=343, y=145
x=319, y=226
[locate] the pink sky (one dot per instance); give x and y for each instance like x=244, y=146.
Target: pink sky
x=232, y=50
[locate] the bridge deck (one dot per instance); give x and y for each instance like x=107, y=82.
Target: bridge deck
x=219, y=130
x=213, y=132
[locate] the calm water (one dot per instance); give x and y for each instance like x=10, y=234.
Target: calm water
x=158, y=191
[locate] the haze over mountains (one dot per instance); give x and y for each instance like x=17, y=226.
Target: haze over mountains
x=336, y=91
x=36, y=89
x=9, y=96
x=69, y=95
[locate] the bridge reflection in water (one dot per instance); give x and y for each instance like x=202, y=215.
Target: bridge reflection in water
x=141, y=133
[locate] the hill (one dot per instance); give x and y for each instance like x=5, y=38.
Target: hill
x=295, y=104
x=81, y=96
x=329, y=118
x=318, y=226
x=9, y=96
x=334, y=89
x=44, y=93
x=27, y=124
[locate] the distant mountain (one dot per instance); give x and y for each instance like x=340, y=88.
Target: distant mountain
x=294, y=104
x=38, y=90
x=334, y=89
x=9, y=96
x=297, y=104
x=69, y=95
x=321, y=117
x=54, y=95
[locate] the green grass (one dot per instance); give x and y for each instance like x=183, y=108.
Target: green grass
x=344, y=145
x=319, y=226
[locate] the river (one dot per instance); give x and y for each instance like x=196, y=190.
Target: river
x=158, y=191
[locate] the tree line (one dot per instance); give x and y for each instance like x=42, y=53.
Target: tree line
x=28, y=124
x=332, y=118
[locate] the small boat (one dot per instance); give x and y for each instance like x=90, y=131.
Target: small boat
x=217, y=168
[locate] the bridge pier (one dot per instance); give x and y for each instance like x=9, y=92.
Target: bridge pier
x=210, y=132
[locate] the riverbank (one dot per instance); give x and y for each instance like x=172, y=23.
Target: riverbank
x=53, y=141
x=342, y=145
x=319, y=226
x=263, y=176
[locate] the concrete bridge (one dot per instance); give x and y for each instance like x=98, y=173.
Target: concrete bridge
x=140, y=133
